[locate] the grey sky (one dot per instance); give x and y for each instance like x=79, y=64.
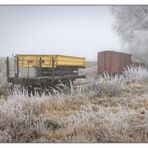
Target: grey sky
x=70, y=30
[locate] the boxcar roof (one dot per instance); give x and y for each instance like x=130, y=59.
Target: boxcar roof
x=115, y=52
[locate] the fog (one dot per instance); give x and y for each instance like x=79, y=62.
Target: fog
x=70, y=30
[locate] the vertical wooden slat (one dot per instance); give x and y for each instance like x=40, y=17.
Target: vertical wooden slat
x=40, y=65
x=53, y=73
x=7, y=67
x=17, y=64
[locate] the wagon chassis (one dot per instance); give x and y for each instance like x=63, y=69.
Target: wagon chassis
x=42, y=81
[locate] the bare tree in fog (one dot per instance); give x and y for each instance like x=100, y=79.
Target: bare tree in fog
x=132, y=27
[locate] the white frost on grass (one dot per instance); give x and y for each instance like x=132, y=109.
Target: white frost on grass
x=136, y=73
x=105, y=83
x=4, y=85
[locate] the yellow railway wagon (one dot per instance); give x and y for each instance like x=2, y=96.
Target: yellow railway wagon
x=44, y=71
x=32, y=60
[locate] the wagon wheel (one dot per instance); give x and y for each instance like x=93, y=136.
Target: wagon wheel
x=42, y=89
x=68, y=83
x=46, y=91
x=12, y=88
x=23, y=89
x=30, y=90
x=39, y=91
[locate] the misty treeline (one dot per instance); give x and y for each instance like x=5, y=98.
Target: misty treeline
x=131, y=24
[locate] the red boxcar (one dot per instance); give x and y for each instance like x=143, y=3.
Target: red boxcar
x=112, y=61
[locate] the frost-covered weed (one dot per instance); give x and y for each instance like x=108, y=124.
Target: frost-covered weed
x=104, y=124
x=112, y=84
x=105, y=83
x=22, y=116
x=3, y=83
x=135, y=73
x=20, y=119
